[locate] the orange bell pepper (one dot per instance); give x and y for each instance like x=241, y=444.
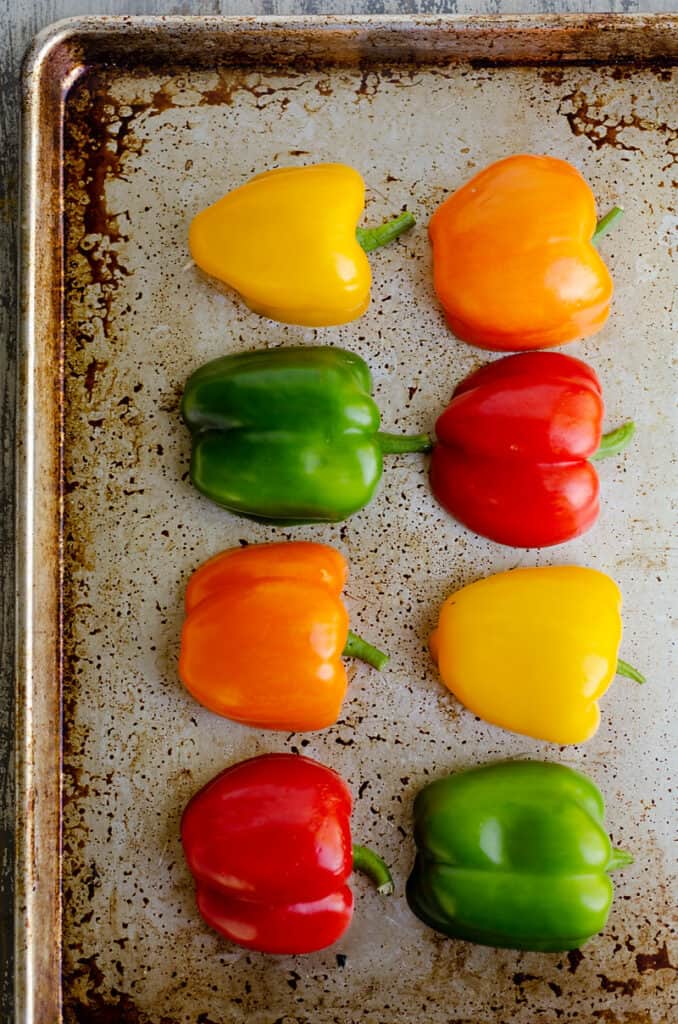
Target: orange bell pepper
x=264, y=634
x=514, y=262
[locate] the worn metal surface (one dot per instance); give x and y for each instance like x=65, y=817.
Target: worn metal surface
x=19, y=21
x=145, y=150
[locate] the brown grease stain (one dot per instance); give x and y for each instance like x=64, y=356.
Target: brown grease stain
x=574, y=958
x=610, y=1017
x=626, y=988
x=231, y=81
x=520, y=979
x=589, y=119
x=99, y=1011
x=98, y=138
x=594, y=126
x=370, y=80
x=552, y=76
x=161, y=100
x=99, y=135
x=654, y=961
x=95, y=1007
x=95, y=367
x=73, y=787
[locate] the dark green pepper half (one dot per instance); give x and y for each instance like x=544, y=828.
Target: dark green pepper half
x=515, y=855
x=288, y=435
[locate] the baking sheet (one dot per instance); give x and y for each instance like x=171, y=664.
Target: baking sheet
x=144, y=150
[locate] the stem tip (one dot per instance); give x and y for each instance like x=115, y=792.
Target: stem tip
x=624, y=669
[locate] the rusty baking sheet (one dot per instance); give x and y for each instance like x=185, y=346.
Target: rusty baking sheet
x=132, y=126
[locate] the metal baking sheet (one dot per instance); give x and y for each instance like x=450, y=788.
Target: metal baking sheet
x=131, y=127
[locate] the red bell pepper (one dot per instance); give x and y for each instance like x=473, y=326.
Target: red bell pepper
x=269, y=844
x=512, y=460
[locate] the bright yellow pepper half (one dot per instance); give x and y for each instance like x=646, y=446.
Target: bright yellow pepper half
x=289, y=243
x=532, y=650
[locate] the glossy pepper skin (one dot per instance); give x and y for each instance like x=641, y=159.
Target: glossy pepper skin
x=515, y=855
x=288, y=242
x=268, y=842
x=512, y=458
x=514, y=263
x=264, y=634
x=532, y=650
x=288, y=435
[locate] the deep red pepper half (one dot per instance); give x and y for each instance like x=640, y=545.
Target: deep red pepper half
x=268, y=842
x=512, y=457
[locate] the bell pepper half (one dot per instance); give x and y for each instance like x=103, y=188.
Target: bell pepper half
x=288, y=435
x=268, y=842
x=512, y=458
x=532, y=650
x=514, y=259
x=515, y=855
x=288, y=241
x=264, y=635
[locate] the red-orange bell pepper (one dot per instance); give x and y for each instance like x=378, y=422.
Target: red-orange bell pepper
x=264, y=634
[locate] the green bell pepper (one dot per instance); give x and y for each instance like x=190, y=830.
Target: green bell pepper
x=513, y=854
x=288, y=435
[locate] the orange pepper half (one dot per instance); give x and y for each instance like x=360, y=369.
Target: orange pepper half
x=264, y=635
x=514, y=263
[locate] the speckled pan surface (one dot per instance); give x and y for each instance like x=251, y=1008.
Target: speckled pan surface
x=144, y=150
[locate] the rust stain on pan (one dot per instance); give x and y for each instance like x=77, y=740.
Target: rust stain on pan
x=95, y=1008
x=102, y=138
x=658, y=961
x=590, y=118
x=94, y=368
x=610, y=1017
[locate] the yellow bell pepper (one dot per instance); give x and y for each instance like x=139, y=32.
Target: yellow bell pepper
x=532, y=650
x=288, y=242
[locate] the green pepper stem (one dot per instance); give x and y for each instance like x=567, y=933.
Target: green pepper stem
x=606, y=222
x=373, y=238
x=356, y=647
x=624, y=669
x=395, y=444
x=614, y=442
x=619, y=859
x=373, y=866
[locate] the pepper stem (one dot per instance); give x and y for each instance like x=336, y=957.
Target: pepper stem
x=394, y=444
x=614, y=442
x=373, y=866
x=624, y=669
x=619, y=859
x=373, y=238
x=606, y=222
x=356, y=647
